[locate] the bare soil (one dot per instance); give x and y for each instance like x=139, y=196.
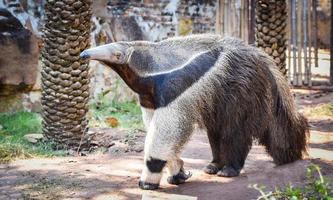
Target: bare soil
x=115, y=174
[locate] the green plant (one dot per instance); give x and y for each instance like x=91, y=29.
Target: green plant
x=320, y=110
x=18, y=124
x=13, y=128
x=10, y=151
x=127, y=113
x=316, y=187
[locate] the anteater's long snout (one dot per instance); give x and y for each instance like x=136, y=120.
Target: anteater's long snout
x=85, y=55
x=100, y=53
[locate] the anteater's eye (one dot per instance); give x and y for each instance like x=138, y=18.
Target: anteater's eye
x=117, y=54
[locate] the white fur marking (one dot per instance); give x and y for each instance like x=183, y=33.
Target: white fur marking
x=147, y=115
x=149, y=177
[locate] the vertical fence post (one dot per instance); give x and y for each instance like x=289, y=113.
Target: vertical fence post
x=305, y=41
x=245, y=20
x=226, y=17
x=252, y=22
x=310, y=40
x=222, y=15
x=289, y=22
x=294, y=41
x=218, y=18
x=315, y=32
x=331, y=57
x=300, y=41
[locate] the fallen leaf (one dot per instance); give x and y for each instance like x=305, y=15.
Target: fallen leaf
x=111, y=121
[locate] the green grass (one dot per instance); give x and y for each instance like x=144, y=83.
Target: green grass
x=316, y=187
x=13, y=127
x=322, y=110
x=128, y=114
x=18, y=124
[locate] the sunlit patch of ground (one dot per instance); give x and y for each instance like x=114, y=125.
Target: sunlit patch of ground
x=115, y=175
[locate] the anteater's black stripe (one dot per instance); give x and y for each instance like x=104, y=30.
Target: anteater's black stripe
x=155, y=165
x=168, y=86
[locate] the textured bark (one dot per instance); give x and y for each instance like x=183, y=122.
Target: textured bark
x=65, y=78
x=271, y=21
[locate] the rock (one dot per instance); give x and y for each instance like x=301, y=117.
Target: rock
x=127, y=28
x=33, y=137
x=138, y=148
x=72, y=152
x=18, y=60
x=19, y=55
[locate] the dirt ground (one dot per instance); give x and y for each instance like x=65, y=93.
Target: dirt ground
x=115, y=175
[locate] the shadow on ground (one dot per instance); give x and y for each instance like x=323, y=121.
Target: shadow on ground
x=111, y=176
x=116, y=177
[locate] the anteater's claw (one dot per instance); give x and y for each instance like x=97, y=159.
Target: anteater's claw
x=148, y=186
x=180, y=178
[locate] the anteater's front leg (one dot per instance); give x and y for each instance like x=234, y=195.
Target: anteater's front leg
x=167, y=134
x=152, y=173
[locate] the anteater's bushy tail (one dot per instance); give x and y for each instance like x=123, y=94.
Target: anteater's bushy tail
x=289, y=130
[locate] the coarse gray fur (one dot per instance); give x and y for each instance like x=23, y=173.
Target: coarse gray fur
x=239, y=97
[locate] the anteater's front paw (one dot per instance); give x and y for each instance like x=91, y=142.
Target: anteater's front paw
x=180, y=178
x=148, y=186
x=228, y=171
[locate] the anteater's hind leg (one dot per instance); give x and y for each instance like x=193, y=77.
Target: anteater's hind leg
x=214, y=141
x=234, y=150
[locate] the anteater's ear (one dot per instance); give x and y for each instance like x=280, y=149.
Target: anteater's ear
x=129, y=52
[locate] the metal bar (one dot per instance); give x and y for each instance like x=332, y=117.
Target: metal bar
x=222, y=17
x=226, y=17
x=241, y=19
x=299, y=42
x=310, y=40
x=289, y=39
x=331, y=68
x=218, y=19
x=315, y=32
x=305, y=42
x=294, y=41
x=252, y=23
x=246, y=20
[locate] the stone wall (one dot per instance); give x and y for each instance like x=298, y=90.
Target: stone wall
x=18, y=61
x=153, y=20
x=160, y=19
x=324, y=26
x=115, y=20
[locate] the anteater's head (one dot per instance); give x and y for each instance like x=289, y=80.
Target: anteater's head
x=136, y=56
x=110, y=54
x=129, y=59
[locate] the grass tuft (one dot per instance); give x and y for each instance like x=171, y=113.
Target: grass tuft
x=128, y=114
x=13, y=127
x=11, y=152
x=103, y=113
x=316, y=187
x=18, y=124
x=322, y=110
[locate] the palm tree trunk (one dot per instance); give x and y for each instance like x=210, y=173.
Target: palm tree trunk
x=271, y=21
x=65, y=78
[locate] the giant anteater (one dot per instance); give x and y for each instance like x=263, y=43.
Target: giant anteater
x=232, y=90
